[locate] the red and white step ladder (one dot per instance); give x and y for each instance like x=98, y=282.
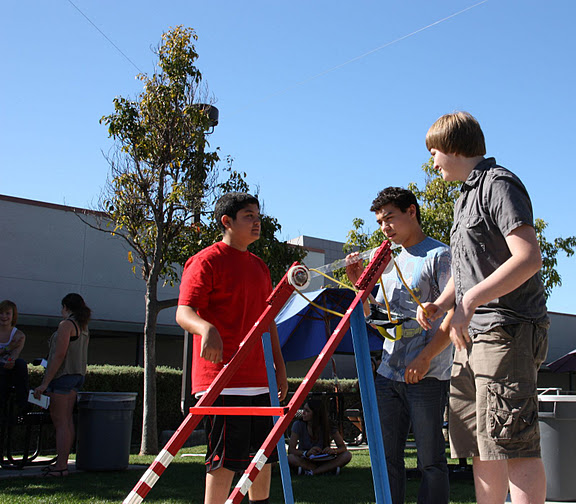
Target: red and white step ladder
x=296, y=277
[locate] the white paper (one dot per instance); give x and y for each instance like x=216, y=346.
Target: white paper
x=43, y=402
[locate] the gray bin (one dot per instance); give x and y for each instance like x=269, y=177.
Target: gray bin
x=104, y=430
x=557, y=420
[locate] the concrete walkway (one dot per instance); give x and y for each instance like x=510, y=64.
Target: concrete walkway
x=36, y=471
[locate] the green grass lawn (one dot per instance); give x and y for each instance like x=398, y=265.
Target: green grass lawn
x=183, y=482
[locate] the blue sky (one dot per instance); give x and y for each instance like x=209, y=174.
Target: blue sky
x=322, y=103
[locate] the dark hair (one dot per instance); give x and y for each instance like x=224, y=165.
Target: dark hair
x=397, y=196
x=230, y=204
x=77, y=306
x=10, y=305
x=320, y=421
x=457, y=133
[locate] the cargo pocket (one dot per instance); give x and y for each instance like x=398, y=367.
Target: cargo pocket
x=512, y=413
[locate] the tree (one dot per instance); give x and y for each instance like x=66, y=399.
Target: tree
x=437, y=201
x=161, y=182
x=550, y=275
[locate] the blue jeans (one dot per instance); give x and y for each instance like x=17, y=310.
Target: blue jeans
x=421, y=405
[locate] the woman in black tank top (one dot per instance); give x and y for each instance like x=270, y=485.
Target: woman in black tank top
x=64, y=376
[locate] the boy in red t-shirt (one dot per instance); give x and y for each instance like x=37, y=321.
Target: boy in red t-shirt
x=222, y=294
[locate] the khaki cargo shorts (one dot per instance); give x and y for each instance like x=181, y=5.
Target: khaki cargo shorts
x=493, y=398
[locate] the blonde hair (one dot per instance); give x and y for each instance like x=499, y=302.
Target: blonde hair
x=457, y=133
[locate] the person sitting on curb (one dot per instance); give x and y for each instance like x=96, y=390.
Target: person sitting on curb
x=309, y=449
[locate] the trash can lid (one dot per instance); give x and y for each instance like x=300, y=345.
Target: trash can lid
x=106, y=396
x=107, y=400
x=557, y=397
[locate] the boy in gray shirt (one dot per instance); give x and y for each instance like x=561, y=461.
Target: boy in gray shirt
x=500, y=322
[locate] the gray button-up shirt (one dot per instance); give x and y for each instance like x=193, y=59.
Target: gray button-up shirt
x=493, y=202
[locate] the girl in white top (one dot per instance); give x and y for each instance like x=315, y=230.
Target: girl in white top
x=13, y=370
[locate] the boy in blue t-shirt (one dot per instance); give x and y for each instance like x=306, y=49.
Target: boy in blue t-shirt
x=412, y=380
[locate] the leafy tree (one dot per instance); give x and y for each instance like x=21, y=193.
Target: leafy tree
x=550, y=250
x=163, y=177
x=437, y=201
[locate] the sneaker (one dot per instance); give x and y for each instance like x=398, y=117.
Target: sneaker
x=308, y=473
x=337, y=471
x=300, y=470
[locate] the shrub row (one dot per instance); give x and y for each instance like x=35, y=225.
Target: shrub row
x=131, y=379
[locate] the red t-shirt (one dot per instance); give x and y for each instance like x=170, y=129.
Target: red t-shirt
x=228, y=288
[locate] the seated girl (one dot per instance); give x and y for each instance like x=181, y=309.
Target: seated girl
x=13, y=370
x=309, y=448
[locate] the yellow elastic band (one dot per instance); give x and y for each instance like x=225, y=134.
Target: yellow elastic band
x=386, y=334
x=409, y=289
x=381, y=330
x=320, y=307
x=393, y=321
x=398, y=328
x=334, y=280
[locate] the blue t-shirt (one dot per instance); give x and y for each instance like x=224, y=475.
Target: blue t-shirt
x=426, y=269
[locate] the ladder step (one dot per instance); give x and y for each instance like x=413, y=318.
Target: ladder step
x=240, y=410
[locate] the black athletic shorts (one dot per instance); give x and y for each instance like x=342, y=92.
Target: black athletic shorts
x=231, y=440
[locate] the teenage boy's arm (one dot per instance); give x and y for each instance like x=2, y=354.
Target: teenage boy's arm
x=417, y=369
x=525, y=261
x=435, y=310
x=211, y=346
x=281, y=377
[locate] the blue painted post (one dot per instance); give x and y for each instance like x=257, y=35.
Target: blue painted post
x=371, y=417
x=274, y=401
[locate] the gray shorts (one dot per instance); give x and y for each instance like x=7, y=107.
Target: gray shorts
x=493, y=397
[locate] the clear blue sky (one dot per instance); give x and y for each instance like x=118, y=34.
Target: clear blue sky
x=318, y=118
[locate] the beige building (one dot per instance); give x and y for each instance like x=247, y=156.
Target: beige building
x=47, y=251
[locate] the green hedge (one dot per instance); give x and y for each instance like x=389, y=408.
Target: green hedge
x=131, y=379
x=169, y=382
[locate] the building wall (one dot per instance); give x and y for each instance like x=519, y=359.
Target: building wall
x=562, y=335
x=47, y=252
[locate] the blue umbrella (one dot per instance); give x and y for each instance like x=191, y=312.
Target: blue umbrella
x=565, y=363
x=304, y=329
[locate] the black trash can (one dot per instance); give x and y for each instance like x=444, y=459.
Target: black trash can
x=557, y=421
x=104, y=430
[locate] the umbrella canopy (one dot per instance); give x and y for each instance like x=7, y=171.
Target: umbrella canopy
x=565, y=363
x=304, y=329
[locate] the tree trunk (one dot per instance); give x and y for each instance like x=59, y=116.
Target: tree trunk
x=149, y=443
